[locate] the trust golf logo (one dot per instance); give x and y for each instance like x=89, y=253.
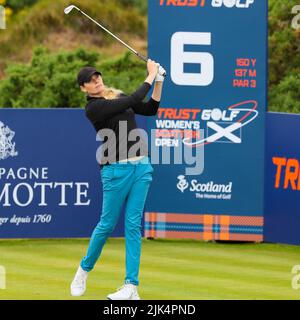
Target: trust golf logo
x=204, y=126
x=2, y=18
x=7, y=146
x=205, y=190
x=182, y=184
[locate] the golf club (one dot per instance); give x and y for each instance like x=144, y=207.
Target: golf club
x=71, y=7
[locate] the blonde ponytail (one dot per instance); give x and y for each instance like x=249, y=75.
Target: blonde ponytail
x=111, y=93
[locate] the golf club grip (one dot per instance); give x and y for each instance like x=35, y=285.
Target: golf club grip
x=142, y=57
x=162, y=71
x=146, y=59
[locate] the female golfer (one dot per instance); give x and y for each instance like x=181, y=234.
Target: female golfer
x=126, y=171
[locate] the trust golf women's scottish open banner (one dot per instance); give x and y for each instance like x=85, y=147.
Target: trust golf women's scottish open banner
x=211, y=123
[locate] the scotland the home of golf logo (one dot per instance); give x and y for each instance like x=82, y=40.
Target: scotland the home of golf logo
x=182, y=184
x=7, y=146
x=209, y=187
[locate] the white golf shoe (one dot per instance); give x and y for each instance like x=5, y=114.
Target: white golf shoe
x=126, y=292
x=78, y=285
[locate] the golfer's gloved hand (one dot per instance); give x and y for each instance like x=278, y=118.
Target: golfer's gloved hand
x=160, y=74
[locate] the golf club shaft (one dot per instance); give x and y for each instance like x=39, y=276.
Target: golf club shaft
x=126, y=45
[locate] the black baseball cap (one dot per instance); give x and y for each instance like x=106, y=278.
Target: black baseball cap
x=85, y=75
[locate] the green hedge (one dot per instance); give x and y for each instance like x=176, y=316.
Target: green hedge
x=49, y=81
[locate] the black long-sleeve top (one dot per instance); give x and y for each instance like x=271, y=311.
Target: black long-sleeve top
x=119, y=116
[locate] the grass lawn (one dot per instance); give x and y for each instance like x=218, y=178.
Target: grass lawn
x=170, y=269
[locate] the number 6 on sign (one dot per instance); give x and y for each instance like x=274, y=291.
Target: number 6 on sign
x=179, y=58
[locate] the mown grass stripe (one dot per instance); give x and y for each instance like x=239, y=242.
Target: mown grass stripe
x=170, y=269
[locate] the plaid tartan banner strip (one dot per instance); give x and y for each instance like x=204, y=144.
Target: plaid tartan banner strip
x=203, y=226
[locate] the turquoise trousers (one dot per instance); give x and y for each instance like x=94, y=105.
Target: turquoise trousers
x=123, y=182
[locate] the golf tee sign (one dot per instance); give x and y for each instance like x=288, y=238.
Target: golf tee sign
x=213, y=106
